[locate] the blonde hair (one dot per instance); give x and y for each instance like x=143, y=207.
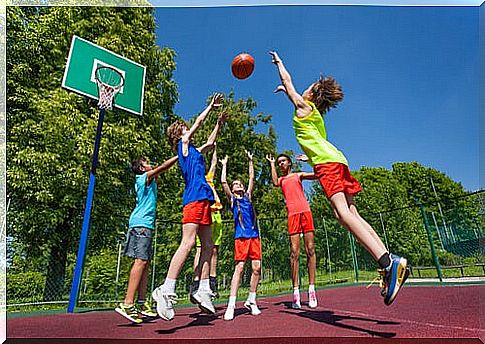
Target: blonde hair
x=174, y=132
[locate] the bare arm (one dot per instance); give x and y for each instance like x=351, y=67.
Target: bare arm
x=212, y=169
x=302, y=108
x=307, y=176
x=274, y=175
x=225, y=186
x=212, y=137
x=159, y=169
x=251, y=175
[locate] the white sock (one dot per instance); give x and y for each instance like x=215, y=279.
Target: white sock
x=296, y=290
x=169, y=285
x=204, y=285
x=311, y=288
x=252, y=297
x=232, y=301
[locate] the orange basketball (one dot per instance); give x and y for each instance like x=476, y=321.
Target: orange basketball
x=242, y=66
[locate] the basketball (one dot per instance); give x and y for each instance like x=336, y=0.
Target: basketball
x=242, y=66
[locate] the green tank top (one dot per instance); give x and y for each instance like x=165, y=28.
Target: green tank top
x=311, y=135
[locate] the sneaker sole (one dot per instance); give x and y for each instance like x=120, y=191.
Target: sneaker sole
x=120, y=312
x=202, y=307
x=157, y=300
x=248, y=307
x=401, y=277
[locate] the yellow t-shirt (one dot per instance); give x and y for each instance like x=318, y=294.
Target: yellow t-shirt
x=210, y=180
x=312, y=137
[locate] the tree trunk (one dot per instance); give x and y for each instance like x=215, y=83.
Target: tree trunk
x=56, y=270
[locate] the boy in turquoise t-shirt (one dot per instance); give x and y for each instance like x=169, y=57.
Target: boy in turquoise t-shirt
x=331, y=168
x=139, y=238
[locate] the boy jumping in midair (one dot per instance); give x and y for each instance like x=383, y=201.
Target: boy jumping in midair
x=331, y=168
x=196, y=220
x=247, y=244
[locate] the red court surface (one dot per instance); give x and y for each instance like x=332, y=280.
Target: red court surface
x=420, y=314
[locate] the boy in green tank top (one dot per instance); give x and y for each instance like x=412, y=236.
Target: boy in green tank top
x=331, y=168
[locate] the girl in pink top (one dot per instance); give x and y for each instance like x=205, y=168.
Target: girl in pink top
x=300, y=222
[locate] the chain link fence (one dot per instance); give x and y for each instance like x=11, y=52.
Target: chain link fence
x=438, y=242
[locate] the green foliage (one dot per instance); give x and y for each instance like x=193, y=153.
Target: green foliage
x=25, y=286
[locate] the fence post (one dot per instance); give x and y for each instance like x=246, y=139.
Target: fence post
x=354, y=257
x=328, y=250
x=431, y=244
x=154, y=258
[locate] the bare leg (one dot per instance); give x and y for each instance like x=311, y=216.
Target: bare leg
x=255, y=276
x=142, y=287
x=189, y=231
x=205, y=235
x=295, y=253
x=310, y=254
x=366, y=236
x=136, y=274
x=236, y=278
x=215, y=252
x=196, y=263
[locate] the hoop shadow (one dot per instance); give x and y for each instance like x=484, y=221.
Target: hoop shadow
x=200, y=319
x=330, y=318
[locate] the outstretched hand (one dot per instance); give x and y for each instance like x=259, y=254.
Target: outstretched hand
x=216, y=100
x=223, y=117
x=270, y=158
x=249, y=155
x=274, y=57
x=224, y=160
x=302, y=157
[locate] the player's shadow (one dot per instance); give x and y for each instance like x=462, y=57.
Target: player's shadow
x=329, y=317
x=200, y=319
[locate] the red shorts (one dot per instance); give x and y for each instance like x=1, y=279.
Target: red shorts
x=300, y=223
x=335, y=177
x=247, y=248
x=198, y=212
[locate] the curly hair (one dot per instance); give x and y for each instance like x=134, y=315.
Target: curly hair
x=326, y=93
x=174, y=132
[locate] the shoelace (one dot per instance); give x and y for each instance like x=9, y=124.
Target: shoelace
x=312, y=295
x=172, y=299
x=379, y=278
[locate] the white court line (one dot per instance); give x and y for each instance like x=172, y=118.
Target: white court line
x=421, y=323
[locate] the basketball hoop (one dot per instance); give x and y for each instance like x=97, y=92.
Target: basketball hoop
x=109, y=82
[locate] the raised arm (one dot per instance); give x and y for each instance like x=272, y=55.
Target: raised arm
x=212, y=137
x=251, y=174
x=225, y=186
x=302, y=108
x=212, y=169
x=159, y=169
x=274, y=175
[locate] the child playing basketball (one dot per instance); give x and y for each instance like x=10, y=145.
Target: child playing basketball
x=247, y=244
x=300, y=221
x=216, y=233
x=139, y=238
x=196, y=220
x=331, y=168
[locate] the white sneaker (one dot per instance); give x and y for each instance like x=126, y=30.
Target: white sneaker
x=165, y=302
x=204, y=301
x=253, y=307
x=229, y=314
x=312, y=299
x=295, y=304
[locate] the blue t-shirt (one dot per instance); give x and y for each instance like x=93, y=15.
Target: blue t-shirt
x=242, y=209
x=193, y=170
x=146, y=202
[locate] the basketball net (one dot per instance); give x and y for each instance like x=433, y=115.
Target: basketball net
x=106, y=95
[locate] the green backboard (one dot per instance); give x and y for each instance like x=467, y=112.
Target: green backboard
x=79, y=76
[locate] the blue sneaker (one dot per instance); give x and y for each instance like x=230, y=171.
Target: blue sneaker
x=394, y=278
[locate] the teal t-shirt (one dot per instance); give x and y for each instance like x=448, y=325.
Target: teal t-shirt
x=146, y=201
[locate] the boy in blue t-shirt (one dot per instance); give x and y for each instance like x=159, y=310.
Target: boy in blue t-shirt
x=139, y=237
x=196, y=220
x=247, y=244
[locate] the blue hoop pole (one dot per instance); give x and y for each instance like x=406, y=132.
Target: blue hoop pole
x=83, y=243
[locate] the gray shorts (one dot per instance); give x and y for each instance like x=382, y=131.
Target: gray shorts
x=139, y=243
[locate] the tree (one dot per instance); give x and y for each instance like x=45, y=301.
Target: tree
x=51, y=131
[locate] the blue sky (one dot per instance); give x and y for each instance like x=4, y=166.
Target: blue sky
x=410, y=75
